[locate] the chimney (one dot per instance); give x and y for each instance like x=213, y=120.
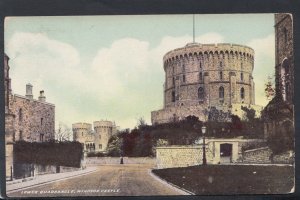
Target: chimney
x=42, y=97
x=29, y=91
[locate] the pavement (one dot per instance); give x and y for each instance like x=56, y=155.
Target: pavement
x=21, y=184
x=106, y=180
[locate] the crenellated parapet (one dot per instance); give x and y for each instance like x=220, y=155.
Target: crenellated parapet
x=207, y=75
x=104, y=123
x=79, y=126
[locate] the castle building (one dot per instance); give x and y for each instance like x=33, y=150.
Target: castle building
x=279, y=113
x=94, y=140
x=26, y=118
x=201, y=76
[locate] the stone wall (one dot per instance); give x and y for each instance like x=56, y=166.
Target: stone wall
x=259, y=155
x=33, y=118
x=116, y=160
x=8, y=159
x=181, y=156
x=285, y=158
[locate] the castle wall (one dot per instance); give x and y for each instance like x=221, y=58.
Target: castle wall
x=25, y=119
x=33, y=118
x=195, y=74
x=284, y=50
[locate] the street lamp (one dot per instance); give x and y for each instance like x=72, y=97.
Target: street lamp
x=203, y=129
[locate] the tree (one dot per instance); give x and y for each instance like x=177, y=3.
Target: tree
x=63, y=133
x=249, y=113
x=114, y=147
x=141, y=123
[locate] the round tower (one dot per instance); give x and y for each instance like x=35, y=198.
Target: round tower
x=81, y=132
x=214, y=74
x=201, y=76
x=103, y=132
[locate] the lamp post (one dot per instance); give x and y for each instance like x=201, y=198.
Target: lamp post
x=203, y=129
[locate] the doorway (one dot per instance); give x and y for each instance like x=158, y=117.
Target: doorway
x=226, y=153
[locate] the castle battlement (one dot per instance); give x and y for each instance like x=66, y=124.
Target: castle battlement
x=81, y=125
x=103, y=123
x=197, y=50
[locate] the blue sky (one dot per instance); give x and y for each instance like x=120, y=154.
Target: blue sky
x=110, y=67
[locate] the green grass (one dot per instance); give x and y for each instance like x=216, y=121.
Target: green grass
x=231, y=179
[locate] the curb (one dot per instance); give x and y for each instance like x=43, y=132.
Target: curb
x=44, y=183
x=170, y=185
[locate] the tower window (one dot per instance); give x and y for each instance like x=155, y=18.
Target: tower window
x=183, y=68
x=242, y=77
x=200, y=76
x=221, y=75
x=42, y=137
x=20, y=114
x=21, y=135
x=173, y=96
x=242, y=93
x=221, y=92
x=183, y=78
x=173, y=80
x=100, y=146
x=201, y=93
x=221, y=64
x=42, y=120
x=200, y=65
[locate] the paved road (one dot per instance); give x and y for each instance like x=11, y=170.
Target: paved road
x=108, y=180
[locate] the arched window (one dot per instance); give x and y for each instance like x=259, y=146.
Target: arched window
x=20, y=114
x=242, y=93
x=242, y=77
x=221, y=92
x=201, y=93
x=200, y=76
x=221, y=75
x=173, y=96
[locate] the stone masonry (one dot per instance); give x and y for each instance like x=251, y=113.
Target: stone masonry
x=26, y=118
x=200, y=76
x=94, y=140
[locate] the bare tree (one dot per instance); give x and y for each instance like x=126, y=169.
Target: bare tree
x=63, y=133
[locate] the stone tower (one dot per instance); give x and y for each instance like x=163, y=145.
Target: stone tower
x=103, y=131
x=81, y=133
x=201, y=76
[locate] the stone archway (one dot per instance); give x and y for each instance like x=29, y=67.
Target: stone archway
x=226, y=153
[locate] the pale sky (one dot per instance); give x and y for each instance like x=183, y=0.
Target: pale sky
x=110, y=67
